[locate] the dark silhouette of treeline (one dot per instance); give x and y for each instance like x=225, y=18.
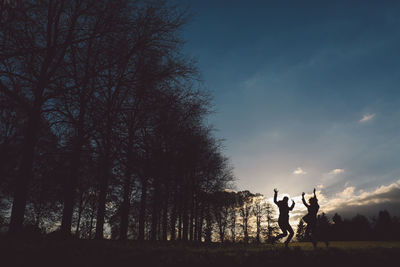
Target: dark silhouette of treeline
x=382, y=227
x=103, y=121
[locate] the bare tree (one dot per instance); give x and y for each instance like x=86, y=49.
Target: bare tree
x=245, y=211
x=35, y=39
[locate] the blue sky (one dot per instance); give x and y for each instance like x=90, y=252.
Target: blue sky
x=306, y=93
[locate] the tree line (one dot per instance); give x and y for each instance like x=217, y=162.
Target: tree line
x=103, y=119
x=382, y=227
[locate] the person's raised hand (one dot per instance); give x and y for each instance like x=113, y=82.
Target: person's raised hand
x=302, y=194
x=314, y=190
x=276, y=190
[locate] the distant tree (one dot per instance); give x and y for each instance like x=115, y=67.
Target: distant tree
x=245, y=210
x=383, y=227
x=337, y=219
x=259, y=211
x=301, y=231
x=220, y=207
x=396, y=228
x=233, y=214
x=360, y=228
x=337, y=227
x=323, y=231
x=271, y=227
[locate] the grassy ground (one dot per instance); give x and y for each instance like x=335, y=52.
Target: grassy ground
x=349, y=245
x=112, y=253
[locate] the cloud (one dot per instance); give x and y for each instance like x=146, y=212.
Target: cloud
x=336, y=171
x=348, y=192
x=350, y=201
x=299, y=171
x=367, y=117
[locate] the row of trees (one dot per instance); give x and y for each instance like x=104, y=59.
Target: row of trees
x=222, y=216
x=381, y=227
x=103, y=121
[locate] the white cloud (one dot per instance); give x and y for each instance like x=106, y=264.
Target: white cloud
x=347, y=193
x=336, y=171
x=299, y=171
x=352, y=201
x=367, y=117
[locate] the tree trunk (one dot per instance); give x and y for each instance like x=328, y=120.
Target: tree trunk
x=180, y=226
x=80, y=209
x=101, y=208
x=196, y=220
x=185, y=220
x=127, y=193
x=165, y=216
x=25, y=170
x=155, y=210
x=191, y=220
x=200, y=224
x=125, y=210
x=173, y=221
x=69, y=193
x=91, y=224
x=72, y=180
x=142, y=214
x=208, y=224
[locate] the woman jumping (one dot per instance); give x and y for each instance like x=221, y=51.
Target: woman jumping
x=311, y=217
x=283, y=220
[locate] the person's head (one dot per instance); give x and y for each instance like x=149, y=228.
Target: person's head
x=285, y=199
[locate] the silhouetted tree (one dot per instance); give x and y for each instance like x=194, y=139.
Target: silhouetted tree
x=323, y=231
x=259, y=210
x=233, y=213
x=220, y=208
x=301, y=231
x=360, y=228
x=271, y=227
x=245, y=199
x=32, y=57
x=384, y=226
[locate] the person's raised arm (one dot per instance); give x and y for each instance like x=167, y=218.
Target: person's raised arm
x=304, y=201
x=315, y=195
x=275, y=196
x=291, y=207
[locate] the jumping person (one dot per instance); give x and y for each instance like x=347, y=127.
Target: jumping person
x=311, y=217
x=283, y=220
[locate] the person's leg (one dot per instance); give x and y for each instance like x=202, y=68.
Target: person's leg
x=281, y=235
x=284, y=231
x=307, y=232
x=313, y=239
x=313, y=235
x=291, y=233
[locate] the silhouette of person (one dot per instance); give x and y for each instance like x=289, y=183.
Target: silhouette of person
x=311, y=217
x=283, y=220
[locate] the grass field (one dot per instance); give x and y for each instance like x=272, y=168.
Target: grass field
x=113, y=253
x=355, y=245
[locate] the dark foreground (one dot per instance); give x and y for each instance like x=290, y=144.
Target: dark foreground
x=113, y=253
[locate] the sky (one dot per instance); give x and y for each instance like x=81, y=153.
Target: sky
x=306, y=94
